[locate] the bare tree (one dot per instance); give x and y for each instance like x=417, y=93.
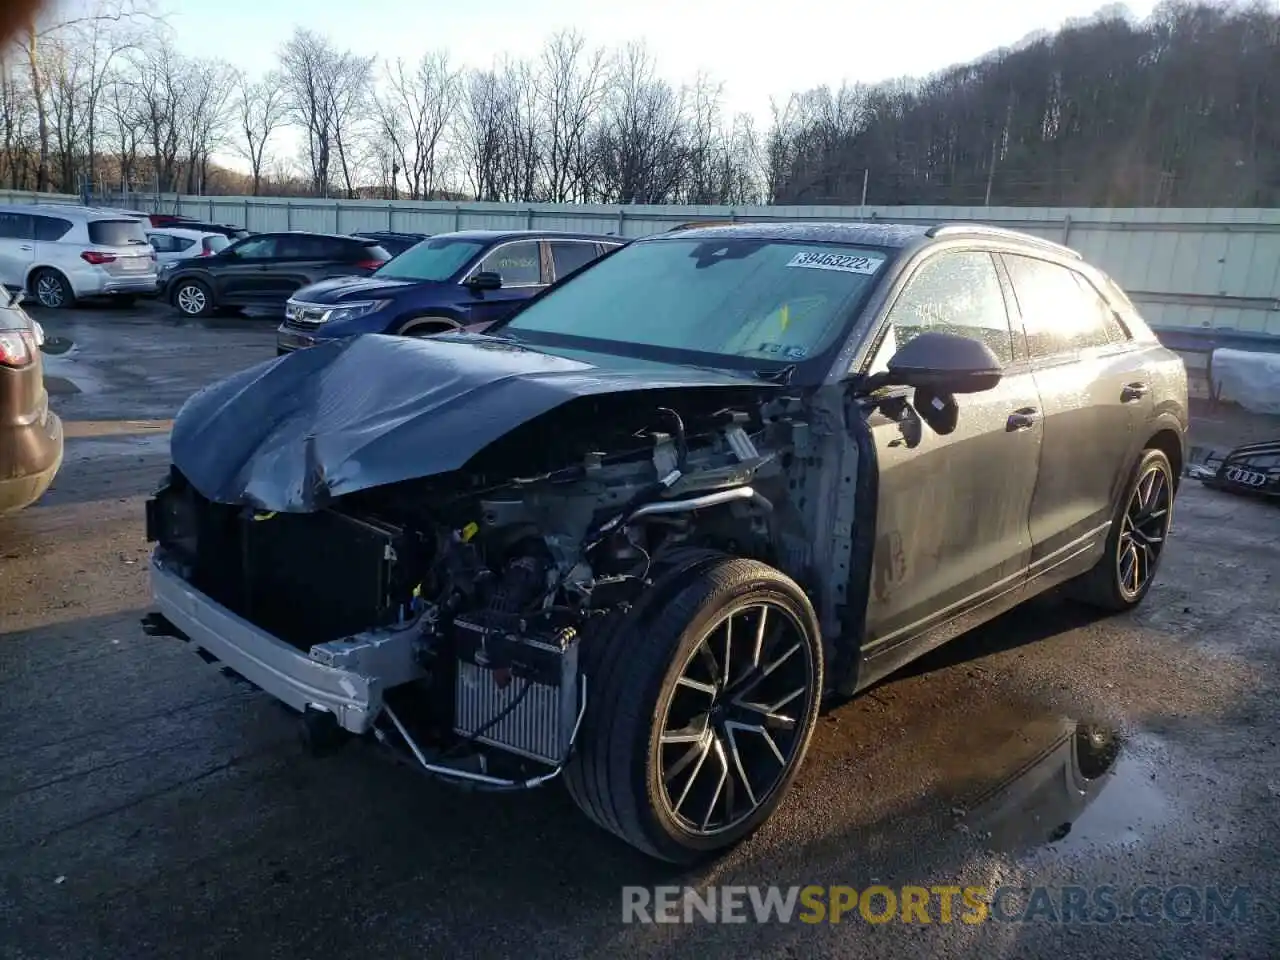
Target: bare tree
x=350, y=93
x=260, y=111
x=480, y=133
x=572, y=86
x=17, y=125
x=101, y=42
x=326, y=89
x=414, y=115
x=158, y=85
x=124, y=132
x=641, y=143
x=49, y=26
x=67, y=88
x=204, y=115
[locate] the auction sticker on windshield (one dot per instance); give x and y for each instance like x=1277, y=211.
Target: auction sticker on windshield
x=845, y=262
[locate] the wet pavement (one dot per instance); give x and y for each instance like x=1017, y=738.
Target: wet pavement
x=1114, y=778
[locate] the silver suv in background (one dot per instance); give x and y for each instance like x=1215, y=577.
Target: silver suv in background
x=58, y=254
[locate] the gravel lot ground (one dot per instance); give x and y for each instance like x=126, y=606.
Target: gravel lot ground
x=150, y=807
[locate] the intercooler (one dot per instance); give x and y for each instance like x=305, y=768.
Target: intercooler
x=517, y=694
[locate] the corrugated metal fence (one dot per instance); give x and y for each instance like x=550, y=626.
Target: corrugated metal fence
x=1192, y=270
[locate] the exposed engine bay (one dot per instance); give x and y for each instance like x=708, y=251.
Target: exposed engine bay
x=469, y=595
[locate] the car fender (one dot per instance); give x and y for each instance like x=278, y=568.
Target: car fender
x=172, y=282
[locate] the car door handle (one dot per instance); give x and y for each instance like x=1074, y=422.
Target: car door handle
x=25, y=246
x=1023, y=419
x=1133, y=391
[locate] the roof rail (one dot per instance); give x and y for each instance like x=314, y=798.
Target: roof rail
x=982, y=229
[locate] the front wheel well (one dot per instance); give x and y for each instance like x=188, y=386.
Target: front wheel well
x=427, y=325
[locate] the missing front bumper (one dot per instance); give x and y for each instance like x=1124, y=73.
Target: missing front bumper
x=287, y=673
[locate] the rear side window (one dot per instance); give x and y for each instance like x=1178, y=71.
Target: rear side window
x=1060, y=314
x=51, y=229
x=215, y=243
x=955, y=293
x=363, y=253
x=258, y=248
x=519, y=264
x=16, y=226
x=1116, y=332
x=569, y=257
x=116, y=233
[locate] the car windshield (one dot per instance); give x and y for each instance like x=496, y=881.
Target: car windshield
x=117, y=233
x=741, y=300
x=437, y=259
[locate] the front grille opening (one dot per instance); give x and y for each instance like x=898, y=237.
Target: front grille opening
x=306, y=578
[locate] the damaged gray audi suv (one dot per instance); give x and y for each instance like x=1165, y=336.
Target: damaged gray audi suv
x=636, y=534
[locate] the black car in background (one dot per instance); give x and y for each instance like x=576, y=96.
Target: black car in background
x=393, y=242
x=265, y=270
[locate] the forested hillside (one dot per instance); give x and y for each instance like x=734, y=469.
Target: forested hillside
x=1183, y=110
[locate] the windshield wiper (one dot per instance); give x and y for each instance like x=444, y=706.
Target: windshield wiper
x=782, y=376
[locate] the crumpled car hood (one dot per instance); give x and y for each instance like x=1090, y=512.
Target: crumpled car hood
x=293, y=433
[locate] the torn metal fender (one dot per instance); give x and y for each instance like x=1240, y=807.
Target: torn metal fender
x=295, y=432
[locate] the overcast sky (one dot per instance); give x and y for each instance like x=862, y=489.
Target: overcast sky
x=757, y=49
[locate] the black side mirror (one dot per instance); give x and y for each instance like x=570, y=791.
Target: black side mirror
x=943, y=363
x=485, y=280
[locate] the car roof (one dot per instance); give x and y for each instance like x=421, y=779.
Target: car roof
x=868, y=233
x=183, y=232
x=395, y=234
x=68, y=210
x=491, y=236
x=346, y=237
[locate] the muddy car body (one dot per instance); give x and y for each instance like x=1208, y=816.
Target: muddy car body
x=636, y=534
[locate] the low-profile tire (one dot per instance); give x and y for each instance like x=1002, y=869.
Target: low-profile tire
x=52, y=290
x=1123, y=577
x=426, y=326
x=678, y=756
x=193, y=298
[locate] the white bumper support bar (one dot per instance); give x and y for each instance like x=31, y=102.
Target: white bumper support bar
x=284, y=671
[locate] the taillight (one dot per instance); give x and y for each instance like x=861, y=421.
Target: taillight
x=370, y=264
x=96, y=258
x=17, y=348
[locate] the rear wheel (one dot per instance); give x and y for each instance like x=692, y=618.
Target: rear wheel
x=193, y=298
x=1123, y=577
x=699, y=714
x=52, y=290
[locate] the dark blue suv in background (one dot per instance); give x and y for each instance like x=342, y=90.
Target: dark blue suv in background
x=470, y=278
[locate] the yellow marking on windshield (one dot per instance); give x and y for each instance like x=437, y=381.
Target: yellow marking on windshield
x=786, y=315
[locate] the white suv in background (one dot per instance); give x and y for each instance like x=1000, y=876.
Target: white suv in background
x=58, y=254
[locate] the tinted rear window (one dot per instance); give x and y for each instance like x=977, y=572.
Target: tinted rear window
x=373, y=251
x=116, y=233
x=51, y=229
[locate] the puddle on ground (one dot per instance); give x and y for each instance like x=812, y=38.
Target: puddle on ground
x=80, y=376
x=138, y=445
x=1086, y=788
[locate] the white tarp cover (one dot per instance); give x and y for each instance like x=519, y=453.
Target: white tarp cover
x=1249, y=378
